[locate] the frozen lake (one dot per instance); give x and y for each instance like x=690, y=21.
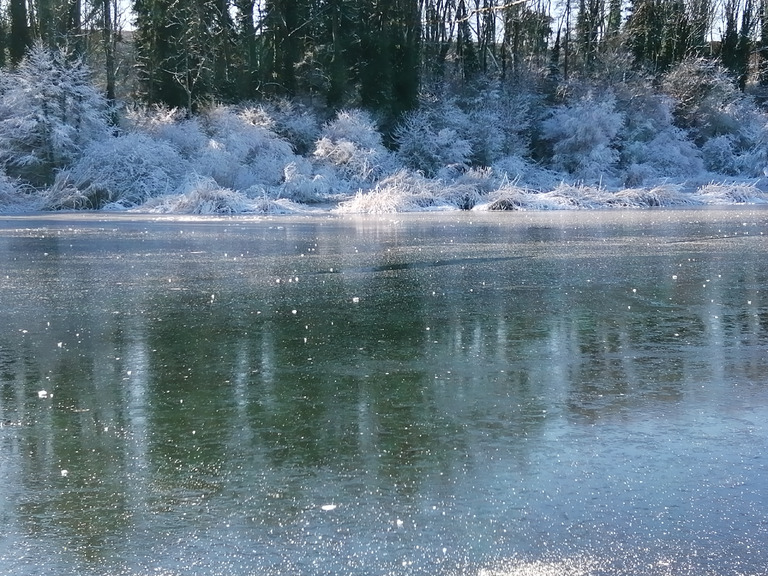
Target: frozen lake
x=463, y=394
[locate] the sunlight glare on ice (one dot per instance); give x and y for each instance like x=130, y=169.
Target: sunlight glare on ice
x=565, y=567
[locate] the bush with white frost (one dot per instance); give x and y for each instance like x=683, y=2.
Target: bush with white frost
x=202, y=195
x=706, y=99
x=447, y=132
x=734, y=193
x=583, y=137
x=49, y=113
x=12, y=196
x=652, y=147
x=123, y=171
x=301, y=183
x=728, y=125
x=296, y=124
x=242, y=150
x=403, y=191
x=353, y=146
x=170, y=125
x=526, y=174
x=425, y=147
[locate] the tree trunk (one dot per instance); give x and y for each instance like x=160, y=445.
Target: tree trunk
x=109, y=51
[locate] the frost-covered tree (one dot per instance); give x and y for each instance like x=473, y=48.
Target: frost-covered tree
x=727, y=124
x=476, y=130
x=49, y=112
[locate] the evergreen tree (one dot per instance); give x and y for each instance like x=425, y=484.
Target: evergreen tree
x=465, y=46
x=588, y=24
x=20, y=39
x=48, y=113
x=246, y=58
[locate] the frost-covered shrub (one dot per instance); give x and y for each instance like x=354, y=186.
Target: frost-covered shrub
x=428, y=148
x=735, y=193
x=719, y=155
x=125, y=170
x=242, y=150
x=485, y=133
x=463, y=132
x=48, y=113
x=403, y=191
x=652, y=147
x=469, y=189
x=752, y=153
x=296, y=124
x=522, y=172
x=237, y=147
x=727, y=124
x=302, y=184
x=583, y=135
x=352, y=144
x=169, y=124
x=706, y=99
x=14, y=196
x=201, y=195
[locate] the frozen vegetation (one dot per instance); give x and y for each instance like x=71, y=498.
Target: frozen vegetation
x=695, y=139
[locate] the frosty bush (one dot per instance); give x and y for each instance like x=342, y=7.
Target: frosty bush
x=727, y=124
x=171, y=125
x=126, y=170
x=582, y=137
x=719, y=155
x=485, y=130
x=735, y=193
x=706, y=99
x=526, y=174
x=652, y=146
x=302, y=184
x=403, y=191
x=352, y=144
x=200, y=195
x=48, y=113
x=236, y=146
x=426, y=148
x=296, y=124
x=460, y=133
x=13, y=196
x=242, y=150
